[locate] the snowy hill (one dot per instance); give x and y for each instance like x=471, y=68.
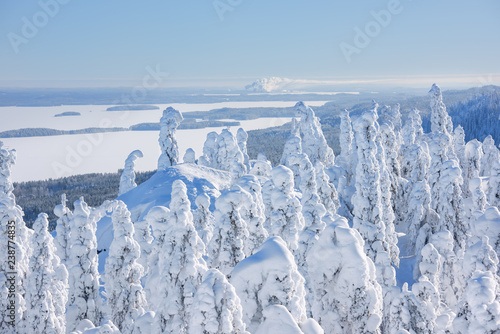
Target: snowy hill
x=157, y=191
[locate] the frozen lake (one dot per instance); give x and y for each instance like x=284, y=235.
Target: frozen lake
x=40, y=158
x=97, y=116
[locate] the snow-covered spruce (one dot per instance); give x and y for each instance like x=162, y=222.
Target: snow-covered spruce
x=367, y=199
x=169, y=122
x=126, y=299
x=472, y=164
x=253, y=214
x=421, y=221
x=241, y=138
x=189, y=156
x=157, y=218
x=216, y=308
x=479, y=309
x=262, y=167
x=227, y=247
x=209, y=157
x=228, y=152
x=269, y=277
x=11, y=215
x=449, y=203
x=494, y=185
x=84, y=301
x=313, y=141
x=64, y=215
x=347, y=297
x=181, y=266
x=47, y=284
x=326, y=190
x=408, y=313
x=127, y=179
x=489, y=224
x=203, y=219
x=286, y=220
x=491, y=155
x=390, y=183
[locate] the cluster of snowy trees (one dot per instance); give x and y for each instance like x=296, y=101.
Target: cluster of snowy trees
x=309, y=246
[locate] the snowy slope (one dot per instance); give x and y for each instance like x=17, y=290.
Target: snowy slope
x=156, y=191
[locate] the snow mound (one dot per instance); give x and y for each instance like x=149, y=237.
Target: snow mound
x=156, y=192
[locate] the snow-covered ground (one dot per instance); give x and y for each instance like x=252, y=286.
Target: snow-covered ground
x=97, y=116
x=40, y=158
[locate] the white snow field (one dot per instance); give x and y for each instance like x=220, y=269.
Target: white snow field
x=60, y=156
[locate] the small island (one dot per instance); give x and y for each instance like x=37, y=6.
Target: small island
x=68, y=113
x=127, y=107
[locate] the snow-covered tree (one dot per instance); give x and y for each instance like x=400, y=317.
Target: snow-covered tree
x=408, y=314
x=84, y=301
x=262, y=167
x=367, y=199
x=169, y=122
x=181, y=265
x=428, y=297
x=209, y=157
x=449, y=203
x=127, y=179
x=388, y=190
x=347, y=297
x=488, y=224
x=448, y=280
x=313, y=210
x=277, y=319
x=157, y=217
x=472, y=163
x=480, y=257
x=493, y=191
x=313, y=141
x=326, y=190
x=253, y=214
x=144, y=238
x=267, y=190
x=269, y=277
x=216, y=308
x=440, y=120
x=228, y=152
x=47, y=284
x=189, y=156
x=14, y=239
x=203, y=219
x=126, y=299
x=479, y=309
x=346, y=136
x=64, y=215
x=286, y=220
x=419, y=214
x=412, y=130
x=227, y=248
x=491, y=155
x=241, y=138
x=459, y=145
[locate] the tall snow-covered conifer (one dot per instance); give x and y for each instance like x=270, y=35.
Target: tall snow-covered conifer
x=169, y=122
x=127, y=179
x=126, y=299
x=47, y=284
x=84, y=300
x=181, y=265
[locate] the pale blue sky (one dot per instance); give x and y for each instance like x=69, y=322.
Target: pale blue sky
x=95, y=42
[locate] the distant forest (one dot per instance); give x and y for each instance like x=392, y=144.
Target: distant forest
x=42, y=196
